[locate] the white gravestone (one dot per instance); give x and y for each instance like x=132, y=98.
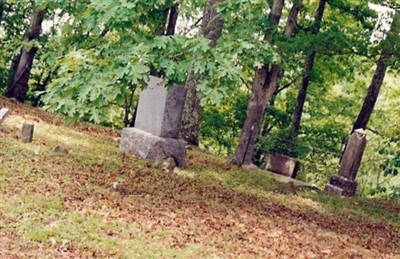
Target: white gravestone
x=4, y=112
x=160, y=109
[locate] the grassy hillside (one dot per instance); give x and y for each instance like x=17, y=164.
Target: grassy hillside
x=96, y=201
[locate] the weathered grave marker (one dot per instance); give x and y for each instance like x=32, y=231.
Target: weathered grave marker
x=4, y=113
x=283, y=165
x=157, y=124
x=27, y=132
x=343, y=183
x=160, y=110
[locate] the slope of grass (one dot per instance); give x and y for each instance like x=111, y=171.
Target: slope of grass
x=97, y=201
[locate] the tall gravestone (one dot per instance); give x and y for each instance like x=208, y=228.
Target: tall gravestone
x=157, y=124
x=343, y=183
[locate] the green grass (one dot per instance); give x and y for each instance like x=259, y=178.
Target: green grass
x=97, y=201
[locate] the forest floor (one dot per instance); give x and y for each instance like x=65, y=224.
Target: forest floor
x=96, y=201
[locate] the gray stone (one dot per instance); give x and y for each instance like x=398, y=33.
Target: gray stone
x=4, y=112
x=160, y=110
x=331, y=189
x=27, y=132
x=283, y=165
x=297, y=183
x=343, y=183
x=340, y=185
x=250, y=166
x=154, y=148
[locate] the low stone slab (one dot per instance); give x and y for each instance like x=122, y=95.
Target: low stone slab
x=160, y=109
x=154, y=148
x=283, y=165
x=4, y=112
x=339, y=185
x=298, y=185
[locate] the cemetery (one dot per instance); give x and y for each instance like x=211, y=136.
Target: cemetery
x=199, y=129
x=116, y=177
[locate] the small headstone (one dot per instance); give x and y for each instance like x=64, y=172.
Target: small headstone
x=4, y=112
x=27, y=132
x=343, y=183
x=160, y=109
x=283, y=165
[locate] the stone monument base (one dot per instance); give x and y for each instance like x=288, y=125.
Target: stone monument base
x=340, y=185
x=146, y=145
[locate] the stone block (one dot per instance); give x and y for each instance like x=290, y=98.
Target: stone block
x=27, y=132
x=160, y=109
x=339, y=185
x=154, y=148
x=283, y=165
x=4, y=112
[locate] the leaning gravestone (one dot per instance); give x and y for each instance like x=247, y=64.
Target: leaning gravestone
x=283, y=165
x=4, y=112
x=343, y=183
x=157, y=125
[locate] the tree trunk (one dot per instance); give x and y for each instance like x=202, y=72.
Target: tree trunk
x=373, y=92
x=13, y=70
x=173, y=17
x=379, y=75
x=41, y=86
x=2, y=5
x=192, y=112
x=160, y=31
x=308, y=67
x=264, y=85
x=169, y=17
x=211, y=29
x=22, y=65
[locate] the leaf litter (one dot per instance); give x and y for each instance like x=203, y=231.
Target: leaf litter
x=100, y=202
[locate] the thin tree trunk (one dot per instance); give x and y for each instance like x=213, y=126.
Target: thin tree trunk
x=266, y=129
x=14, y=67
x=41, y=87
x=308, y=67
x=264, y=85
x=211, y=29
x=258, y=98
x=169, y=18
x=20, y=74
x=160, y=31
x=2, y=5
x=379, y=75
x=373, y=92
x=173, y=17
